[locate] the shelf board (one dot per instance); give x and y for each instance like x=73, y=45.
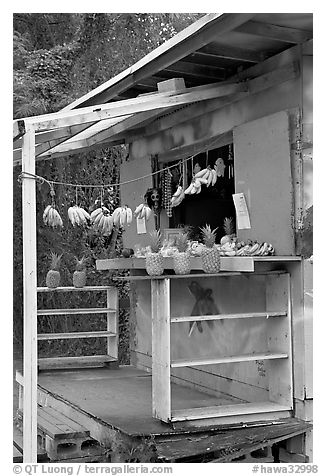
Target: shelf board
x=72, y=288
x=91, y=310
x=232, y=263
x=74, y=335
x=228, y=359
x=216, y=317
x=176, y=276
x=227, y=410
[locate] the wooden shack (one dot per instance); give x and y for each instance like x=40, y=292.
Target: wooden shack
x=236, y=87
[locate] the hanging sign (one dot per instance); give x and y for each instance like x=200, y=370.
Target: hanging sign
x=141, y=226
x=241, y=209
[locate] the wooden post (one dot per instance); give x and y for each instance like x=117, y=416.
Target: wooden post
x=161, y=383
x=30, y=298
x=113, y=321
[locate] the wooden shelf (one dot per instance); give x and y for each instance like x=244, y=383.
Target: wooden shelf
x=91, y=310
x=72, y=288
x=177, y=276
x=234, y=263
x=216, y=317
x=228, y=359
x=75, y=335
x=227, y=410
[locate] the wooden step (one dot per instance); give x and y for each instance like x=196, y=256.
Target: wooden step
x=56, y=425
x=227, y=359
x=91, y=310
x=227, y=410
x=18, y=447
x=216, y=317
x=75, y=335
x=47, y=363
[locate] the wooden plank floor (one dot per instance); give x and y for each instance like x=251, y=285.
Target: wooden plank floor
x=120, y=397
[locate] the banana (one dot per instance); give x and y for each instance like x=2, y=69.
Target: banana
x=97, y=219
x=206, y=175
x=194, y=189
x=101, y=223
x=214, y=177
x=230, y=253
x=78, y=220
x=45, y=213
x=198, y=189
x=81, y=218
x=116, y=216
x=72, y=215
x=95, y=213
x=201, y=173
x=123, y=217
x=109, y=220
x=188, y=189
x=253, y=249
x=129, y=215
x=57, y=221
x=178, y=192
x=245, y=249
x=197, y=183
x=202, y=181
x=177, y=200
x=139, y=209
x=85, y=214
x=148, y=212
x=209, y=178
x=263, y=249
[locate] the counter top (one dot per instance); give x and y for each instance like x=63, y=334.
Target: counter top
x=234, y=263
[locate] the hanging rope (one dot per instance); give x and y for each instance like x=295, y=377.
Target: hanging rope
x=101, y=186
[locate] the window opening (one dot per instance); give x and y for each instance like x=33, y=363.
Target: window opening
x=213, y=203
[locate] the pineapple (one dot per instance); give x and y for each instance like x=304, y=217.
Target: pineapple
x=53, y=275
x=79, y=276
x=154, y=259
x=181, y=259
x=210, y=255
x=228, y=227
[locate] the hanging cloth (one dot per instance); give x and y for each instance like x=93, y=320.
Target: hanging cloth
x=167, y=193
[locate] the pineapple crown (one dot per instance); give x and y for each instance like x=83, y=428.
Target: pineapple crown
x=181, y=242
x=155, y=241
x=80, y=263
x=228, y=226
x=55, y=261
x=208, y=235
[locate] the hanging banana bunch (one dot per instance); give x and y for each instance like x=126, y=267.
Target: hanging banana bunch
x=122, y=216
x=51, y=216
x=77, y=215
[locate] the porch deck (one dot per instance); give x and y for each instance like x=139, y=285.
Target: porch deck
x=115, y=405
x=120, y=397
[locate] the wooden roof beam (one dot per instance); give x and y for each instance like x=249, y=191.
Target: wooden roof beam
x=275, y=32
x=219, y=50
x=139, y=104
x=199, y=70
x=63, y=133
x=197, y=35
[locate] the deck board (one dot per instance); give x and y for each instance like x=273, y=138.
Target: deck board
x=121, y=397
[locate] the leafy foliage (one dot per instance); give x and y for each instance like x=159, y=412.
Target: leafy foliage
x=58, y=58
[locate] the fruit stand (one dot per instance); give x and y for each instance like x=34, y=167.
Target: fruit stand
x=214, y=231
